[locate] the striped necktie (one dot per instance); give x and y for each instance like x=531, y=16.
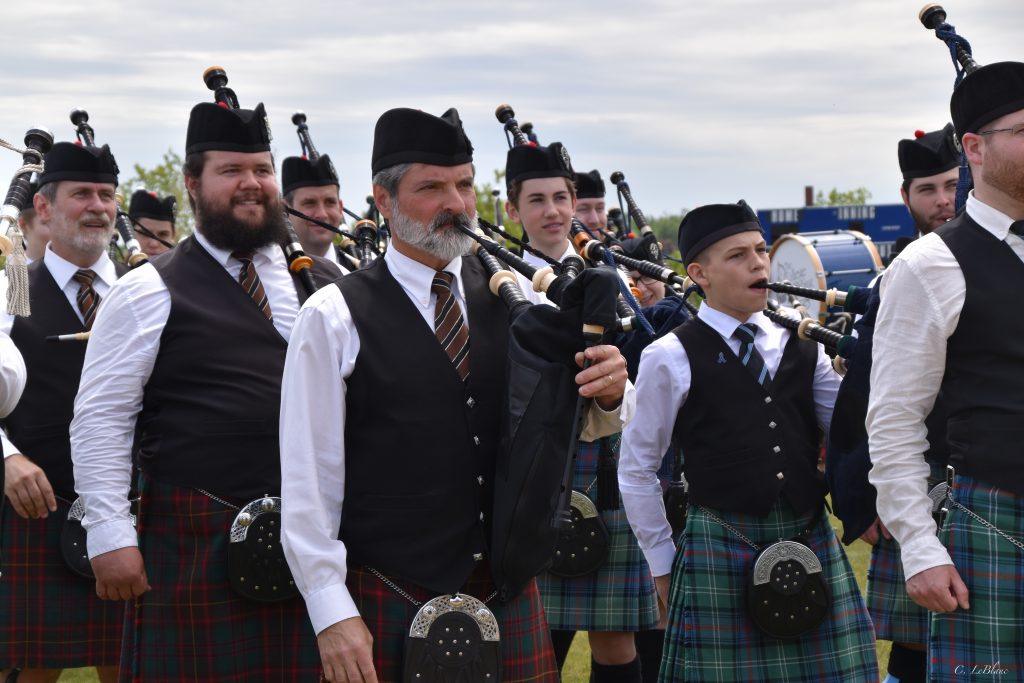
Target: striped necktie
x=250, y=281
x=88, y=299
x=749, y=355
x=449, y=325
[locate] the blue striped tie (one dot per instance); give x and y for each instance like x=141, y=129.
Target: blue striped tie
x=749, y=355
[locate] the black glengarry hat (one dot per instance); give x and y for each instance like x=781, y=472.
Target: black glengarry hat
x=526, y=162
x=405, y=136
x=644, y=248
x=299, y=172
x=589, y=185
x=928, y=153
x=145, y=204
x=71, y=161
x=214, y=127
x=983, y=96
x=710, y=223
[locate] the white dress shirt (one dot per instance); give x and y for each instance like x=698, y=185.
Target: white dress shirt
x=922, y=295
x=123, y=348
x=320, y=358
x=63, y=273
x=12, y=377
x=662, y=385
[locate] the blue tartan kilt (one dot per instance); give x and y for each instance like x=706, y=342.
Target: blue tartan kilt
x=985, y=642
x=620, y=595
x=896, y=617
x=710, y=637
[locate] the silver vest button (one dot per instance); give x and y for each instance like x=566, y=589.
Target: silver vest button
x=780, y=475
x=470, y=402
x=777, y=449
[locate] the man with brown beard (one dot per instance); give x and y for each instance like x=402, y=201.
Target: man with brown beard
x=943, y=327
x=51, y=618
x=191, y=347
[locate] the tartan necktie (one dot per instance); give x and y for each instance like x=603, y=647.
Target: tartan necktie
x=749, y=355
x=449, y=325
x=250, y=281
x=88, y=299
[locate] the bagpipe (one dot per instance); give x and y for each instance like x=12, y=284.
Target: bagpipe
x=634, y=213
x=216, y=79
x=134, y=256
x=933, y=17
x=358, y=247
x=19, y=193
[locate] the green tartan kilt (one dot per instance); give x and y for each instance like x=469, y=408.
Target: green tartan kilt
x=711, y=638
x=985, y=642
x=896, y=617
x=620, y=595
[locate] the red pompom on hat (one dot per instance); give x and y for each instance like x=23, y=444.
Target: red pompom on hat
x=919, y=134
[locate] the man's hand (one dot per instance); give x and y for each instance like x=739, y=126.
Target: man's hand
x=27, y=488
x=662, y=585
x=346, y=652
x=120, y=574
x=874, y=532
x=605, y=379
x=939, y=589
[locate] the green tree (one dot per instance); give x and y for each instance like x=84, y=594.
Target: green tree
x=164, y=179
x=859, y=195
x=485, y=200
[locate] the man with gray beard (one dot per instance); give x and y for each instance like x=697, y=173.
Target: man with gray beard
x=391, y=401
x=51, y=618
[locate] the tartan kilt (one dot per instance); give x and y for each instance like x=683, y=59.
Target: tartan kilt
x=895, y=615
x=985, y=642
x=192, y=625
x=620, y=595
x=711, y=638
x=50, y=618
x=526, y=651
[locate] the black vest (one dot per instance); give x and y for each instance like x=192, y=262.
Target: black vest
x=420, y=445
x=742, y=447
x=211, y=407
x=40, y=425
x=983, y=385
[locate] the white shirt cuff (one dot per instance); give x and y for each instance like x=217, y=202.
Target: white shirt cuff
x=110, y=536
x=923, y=553
x=330, y=605
x=660, y=558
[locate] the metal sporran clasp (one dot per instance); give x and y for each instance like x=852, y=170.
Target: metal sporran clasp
x=256, y=566
x=787, y=596
x=453, y=639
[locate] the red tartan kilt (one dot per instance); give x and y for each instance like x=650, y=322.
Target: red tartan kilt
x=192, y=625
x=50, y=618
x=525, y=640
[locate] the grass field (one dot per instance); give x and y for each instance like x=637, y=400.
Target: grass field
x=577, y=667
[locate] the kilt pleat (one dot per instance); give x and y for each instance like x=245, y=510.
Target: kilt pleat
x=896, y=617
x=192, y=625
x=985, y=642
x=620, y=595
x=50, y=618
x=711, y=638
x=525, y=640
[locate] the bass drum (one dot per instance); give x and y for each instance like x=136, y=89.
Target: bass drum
x=824, y=260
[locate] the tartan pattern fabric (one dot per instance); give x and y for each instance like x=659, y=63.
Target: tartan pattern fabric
x=896, y=617
x=251, y=283
x=192, y=626
x=711, y=638
x=620, y=595
x=50, y=618
x=750, y=357
x=989, y=637
x=449, y=323
x=87, y=298
x=525, y=640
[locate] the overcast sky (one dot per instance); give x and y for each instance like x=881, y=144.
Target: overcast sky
x=695, y=101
